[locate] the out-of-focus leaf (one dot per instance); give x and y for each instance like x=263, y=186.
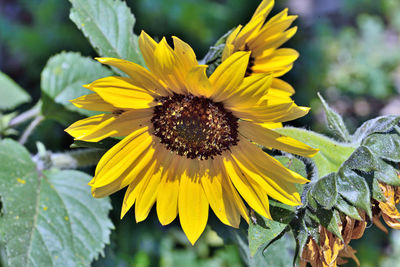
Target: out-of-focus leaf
x=108, y=24
x=11, y=93
x=49, y=218
x=331, y=155
x=262, y=233
x=324, y=191
x=62, y=81
x=103, y=144
x=335, y=122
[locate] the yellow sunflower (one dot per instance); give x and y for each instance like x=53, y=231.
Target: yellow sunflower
x=263, y=39
x=186, y=137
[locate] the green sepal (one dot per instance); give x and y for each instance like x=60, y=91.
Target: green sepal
x=387, y=173
x=354, y=189
x=330, y=219
x=383, y=124
x=213, y=57
x=377, y=193
x=335, y=122
x=345, y=207
x=324, y=191
x=385, y=146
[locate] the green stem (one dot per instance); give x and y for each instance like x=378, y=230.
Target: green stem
x=25, y=116
x=77, y=158
x=29, y=130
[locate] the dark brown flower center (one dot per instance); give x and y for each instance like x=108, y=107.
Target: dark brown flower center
x=195, y=127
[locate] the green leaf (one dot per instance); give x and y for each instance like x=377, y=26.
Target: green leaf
x=382, y=124
x=343, y=206
x=331, y=155
x=335, y=122
x=108, y=25
x=262, y=233
x=49, y=218
x=324, y=191
x=62, y=80
x=11, y=93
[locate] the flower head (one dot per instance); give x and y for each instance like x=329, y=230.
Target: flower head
x=263, y=39
x=186, y=137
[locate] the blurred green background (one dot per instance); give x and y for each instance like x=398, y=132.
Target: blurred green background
x=350, y=52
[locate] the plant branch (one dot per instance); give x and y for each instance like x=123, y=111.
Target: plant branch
x=25, y=116
x=28, y=131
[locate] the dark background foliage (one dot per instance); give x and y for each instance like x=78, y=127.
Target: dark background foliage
x=349, y=52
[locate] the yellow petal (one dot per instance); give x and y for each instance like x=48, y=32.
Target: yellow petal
x=147, y=46
x=192, y=203
x=121, y=93
x=248, y=189
x=198, y=83
x=221, y=201
x=167, y=196
x=166, y=67
x=266, y=45
x=264, y=113
x=279, y=189
x=229, y=75
x=250, y=91
x=98, y=127
x=92, y=102
x=264, y=8
x=140, y=76
x=268, y=138
x=185, y=55
x=148, y=192
x=123, y=158
x=282, y=58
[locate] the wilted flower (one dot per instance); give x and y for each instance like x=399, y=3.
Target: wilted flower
x=387, y=209
x=331, y=250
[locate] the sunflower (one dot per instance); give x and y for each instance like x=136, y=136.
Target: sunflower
x=263, y=39
x=184, y=146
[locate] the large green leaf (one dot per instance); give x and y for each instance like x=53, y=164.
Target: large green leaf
x=62, y=80
x=262, y=233
x=49, y=218
x=331, y=155
x=11, y=93
x=108, y=24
